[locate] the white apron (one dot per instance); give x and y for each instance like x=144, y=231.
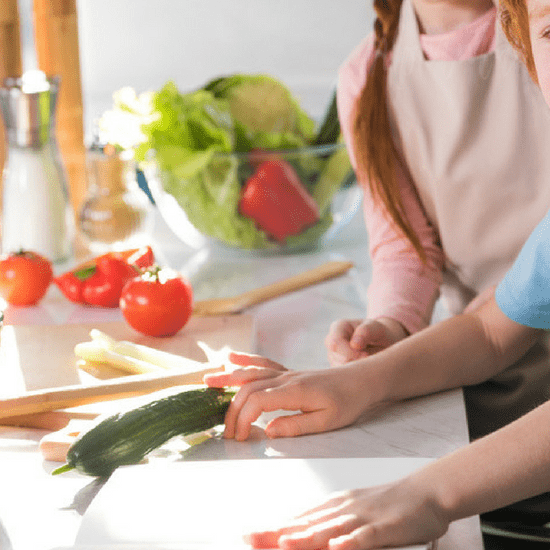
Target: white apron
x=475, y=137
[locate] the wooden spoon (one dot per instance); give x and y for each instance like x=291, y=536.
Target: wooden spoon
x=224, y=306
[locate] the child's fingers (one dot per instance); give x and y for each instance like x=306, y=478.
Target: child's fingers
x=339, y=335
x=340, y=349
x=264, y=539
x=236, y=405
x=297, y=424
x=273, y=397
x=269, y=538
x=364, y=335
x=239, y=376
x=318, y=535
x=304, y=535
x=218, y=379
x=250, y=360
x=370, y=334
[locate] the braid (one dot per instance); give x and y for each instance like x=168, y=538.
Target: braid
x=385, y=25
x=373, y=144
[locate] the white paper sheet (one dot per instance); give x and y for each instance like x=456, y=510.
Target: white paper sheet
x=210, y=504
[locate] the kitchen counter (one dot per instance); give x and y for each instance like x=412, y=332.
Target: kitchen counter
x=40, y=512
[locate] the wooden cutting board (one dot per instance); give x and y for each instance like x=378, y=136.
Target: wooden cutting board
x=34, y=357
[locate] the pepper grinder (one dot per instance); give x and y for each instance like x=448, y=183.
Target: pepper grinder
x=116, y=213
x=36, y=211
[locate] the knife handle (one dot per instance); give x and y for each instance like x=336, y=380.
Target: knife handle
x=73, y=396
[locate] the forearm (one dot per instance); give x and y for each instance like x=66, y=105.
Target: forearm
x=463, y=350
x=494, y=471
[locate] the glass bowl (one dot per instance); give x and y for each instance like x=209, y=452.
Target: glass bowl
x=205, y=208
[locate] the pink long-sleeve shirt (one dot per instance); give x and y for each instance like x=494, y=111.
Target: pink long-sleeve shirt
x=402, y=286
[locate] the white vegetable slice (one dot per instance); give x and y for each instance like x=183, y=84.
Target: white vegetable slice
x=161, y=359
x=94, y=351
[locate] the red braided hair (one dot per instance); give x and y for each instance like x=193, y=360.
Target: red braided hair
x=374, y=148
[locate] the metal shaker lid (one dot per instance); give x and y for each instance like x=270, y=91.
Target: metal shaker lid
x=28, y=109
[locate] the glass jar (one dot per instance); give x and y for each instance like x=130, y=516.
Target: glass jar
x=116, y=213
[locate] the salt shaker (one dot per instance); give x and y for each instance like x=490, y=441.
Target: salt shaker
x=36, y=211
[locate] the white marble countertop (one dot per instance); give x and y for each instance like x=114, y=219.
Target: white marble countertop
x=39, y=512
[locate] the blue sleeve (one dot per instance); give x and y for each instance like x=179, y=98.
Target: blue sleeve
x=524, y=293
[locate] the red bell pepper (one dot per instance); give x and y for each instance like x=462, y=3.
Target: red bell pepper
x=104, y=287
x=71, y=285
x=141, y=257
x=99, y=282
x=275, y=198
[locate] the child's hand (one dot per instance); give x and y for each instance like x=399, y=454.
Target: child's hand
x=397, y=514
x=253, y=367
x=351, y=339
x=327, y=399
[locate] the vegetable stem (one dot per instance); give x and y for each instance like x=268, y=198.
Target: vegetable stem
x=65, y=468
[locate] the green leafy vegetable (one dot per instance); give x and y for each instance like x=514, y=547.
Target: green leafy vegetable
x=187, y=131
x=210, y=200
x=267, y=113
x=192, y=136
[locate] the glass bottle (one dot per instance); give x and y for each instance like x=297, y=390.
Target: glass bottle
x=116, y=213
x=36, y=211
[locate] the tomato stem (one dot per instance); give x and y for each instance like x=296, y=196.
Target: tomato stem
x=152, y=273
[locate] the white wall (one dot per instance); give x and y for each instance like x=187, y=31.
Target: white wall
x=143, y=43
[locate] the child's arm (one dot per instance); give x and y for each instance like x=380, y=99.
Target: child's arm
x=403, y=290
x=490, y=473
x=466, y=349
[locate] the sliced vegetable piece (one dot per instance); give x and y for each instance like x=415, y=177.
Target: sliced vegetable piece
x=95, y=352
x=162, y=359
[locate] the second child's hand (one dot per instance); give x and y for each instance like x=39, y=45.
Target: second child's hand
x=352, y=339
x=324, y=399
x=400, y=513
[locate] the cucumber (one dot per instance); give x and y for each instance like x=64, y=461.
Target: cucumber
x=329, y=130
x=332, y=178
x=126, y=438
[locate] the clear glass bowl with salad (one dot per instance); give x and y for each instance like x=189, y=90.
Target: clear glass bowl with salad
x=239, y=162
x=262, y=200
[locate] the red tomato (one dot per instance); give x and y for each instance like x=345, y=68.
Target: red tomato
x=24, y=277
x=157, y=303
